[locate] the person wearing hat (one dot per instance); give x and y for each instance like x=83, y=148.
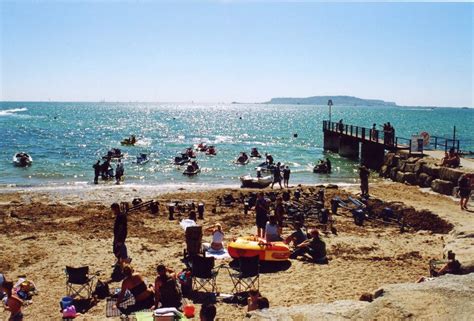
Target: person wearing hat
x=314, y=247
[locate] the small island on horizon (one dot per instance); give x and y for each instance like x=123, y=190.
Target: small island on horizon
x=337, y=100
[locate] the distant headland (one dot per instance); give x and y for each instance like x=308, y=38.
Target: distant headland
x=337, y=100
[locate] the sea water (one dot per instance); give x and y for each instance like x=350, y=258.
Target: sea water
x=66, y=139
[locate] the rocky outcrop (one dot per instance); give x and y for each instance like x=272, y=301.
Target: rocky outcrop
x=448, y=297
x=423, y=172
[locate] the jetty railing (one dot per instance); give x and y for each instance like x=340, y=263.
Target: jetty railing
x=385, y=137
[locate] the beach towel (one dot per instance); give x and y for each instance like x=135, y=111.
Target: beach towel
x=218, y=255
x=187, y=223
x=144, y=316
x=110, y=311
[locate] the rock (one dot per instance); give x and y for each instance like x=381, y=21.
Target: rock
x=410, y=167
x=409, y=178
x=393, y=173
x=442, y=187
x=384, y=171
x=412, y=160
x=424, y=180
x=390, y=159
x=430, y=169
x=401, y=165
x=448, y=297
x=418, y=165
x=450, y=174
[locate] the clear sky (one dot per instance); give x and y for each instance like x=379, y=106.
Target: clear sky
x=223, y=51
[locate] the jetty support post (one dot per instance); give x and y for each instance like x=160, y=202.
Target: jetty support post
x=348, y=147
x=372, y=155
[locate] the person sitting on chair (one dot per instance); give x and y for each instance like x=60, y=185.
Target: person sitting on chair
x=134, y=282
x=314, y=247
x=167, y=291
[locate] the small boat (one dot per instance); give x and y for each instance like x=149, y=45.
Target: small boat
x=189, y=152
x=249, y=246
x=22, y=159
x=142, y=159
x=129, y=141
x=256, y=182
x=113, y=154
x=202, y=147
x=211, y=151
x=322, y=168
x=181, y=160
x=243, y=159
x=192, y=169
x=255, y=154
x=268, y=168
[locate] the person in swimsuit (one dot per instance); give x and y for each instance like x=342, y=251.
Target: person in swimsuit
x=217, y=237
x=134, y=282
x=167, y=291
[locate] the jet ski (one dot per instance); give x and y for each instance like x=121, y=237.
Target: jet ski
x=266, y=167
x=189, y=152
x=22, y=159
x=142, y=159
x=192, y=169
x=321, y=168
x=129, y=141
x=113, y=154
x=255, y=154
x=181, y=160
x=202, y=147
x=256, y=182
x=243, y=159
x=211, y=151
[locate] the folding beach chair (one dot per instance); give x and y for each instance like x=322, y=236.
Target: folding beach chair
x=248, y=275
x=79, y=283
x=193, y=241
x=203, y=273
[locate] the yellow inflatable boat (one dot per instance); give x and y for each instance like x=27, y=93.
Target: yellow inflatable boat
x=252, y=246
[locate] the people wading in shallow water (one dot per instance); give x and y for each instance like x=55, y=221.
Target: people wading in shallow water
x=96, y=168
x=277, y=175
x=286, y=176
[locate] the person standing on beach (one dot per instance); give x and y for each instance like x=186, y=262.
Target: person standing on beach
x=464, y=184
x=364, y=180
x=261, y=211
x=120, y=235
x=277, y=175
x=286, y=176
x=96, y=168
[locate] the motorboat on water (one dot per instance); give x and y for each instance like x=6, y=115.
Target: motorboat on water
x=254, y=153
x=113, y=154
x=22, y=159
x=189, y=152
x=202, y=147
x=243, y=159
x=322, y=167
x=256, y=182
x=211, y=151
x=182, y=159
x=192, y=169
x=129, y=141
x=142, y=159
x=267, y=167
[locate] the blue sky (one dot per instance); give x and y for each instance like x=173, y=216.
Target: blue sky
x=413, y=54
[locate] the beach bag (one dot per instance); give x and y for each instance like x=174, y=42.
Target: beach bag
x=102, y=290
x=186, y=282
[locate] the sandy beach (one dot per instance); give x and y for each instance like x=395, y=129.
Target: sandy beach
x=42, y=232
